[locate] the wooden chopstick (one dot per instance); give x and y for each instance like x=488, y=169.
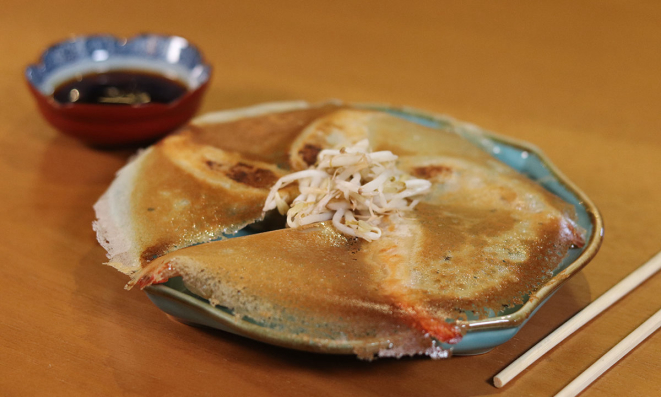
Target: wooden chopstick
x=614, y=355
x=588, y=313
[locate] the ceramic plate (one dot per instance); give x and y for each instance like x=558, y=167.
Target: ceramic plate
x=482, y=334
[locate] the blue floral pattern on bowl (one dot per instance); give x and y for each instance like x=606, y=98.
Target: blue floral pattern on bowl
x=173, y=56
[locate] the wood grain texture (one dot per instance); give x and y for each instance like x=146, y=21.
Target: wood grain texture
x=579, y=80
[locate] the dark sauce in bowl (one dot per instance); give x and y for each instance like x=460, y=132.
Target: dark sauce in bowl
x=120, y=87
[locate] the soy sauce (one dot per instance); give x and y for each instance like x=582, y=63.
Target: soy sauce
x=122, y=87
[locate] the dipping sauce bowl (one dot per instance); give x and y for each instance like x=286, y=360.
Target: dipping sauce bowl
x=108, y=91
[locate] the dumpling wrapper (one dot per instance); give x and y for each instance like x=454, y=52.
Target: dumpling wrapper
x=206, y=181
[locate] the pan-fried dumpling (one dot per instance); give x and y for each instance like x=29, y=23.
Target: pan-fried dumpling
x=208, y=180
x=482, y=238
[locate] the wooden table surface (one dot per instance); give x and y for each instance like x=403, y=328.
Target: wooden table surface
x=581, y=81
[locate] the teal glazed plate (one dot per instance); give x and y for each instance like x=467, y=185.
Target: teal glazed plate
x=481, y=335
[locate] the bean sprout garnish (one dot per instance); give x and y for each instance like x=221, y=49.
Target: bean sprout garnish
x=352, y=187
